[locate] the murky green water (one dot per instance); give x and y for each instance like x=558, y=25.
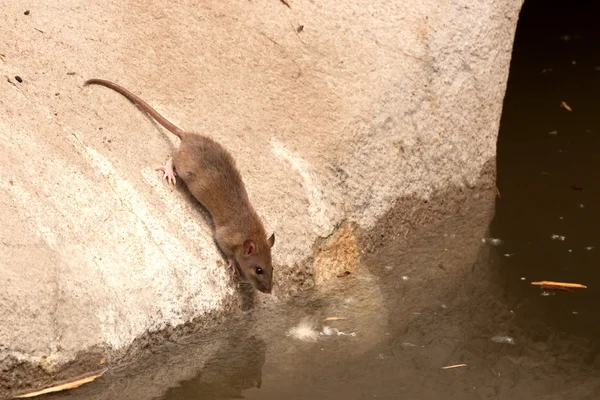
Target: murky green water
x=445, y=297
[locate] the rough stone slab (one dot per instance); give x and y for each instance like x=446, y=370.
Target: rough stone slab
x=371, y=102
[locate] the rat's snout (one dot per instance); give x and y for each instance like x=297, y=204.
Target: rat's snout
x=264, y=286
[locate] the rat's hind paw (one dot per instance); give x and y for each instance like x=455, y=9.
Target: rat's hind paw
x=169, y=171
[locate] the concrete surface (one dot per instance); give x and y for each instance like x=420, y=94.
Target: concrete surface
x=331, y=126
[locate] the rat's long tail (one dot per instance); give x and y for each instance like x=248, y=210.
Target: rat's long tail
x=138, y=102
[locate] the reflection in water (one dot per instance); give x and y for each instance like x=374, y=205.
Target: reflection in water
x=225, y=376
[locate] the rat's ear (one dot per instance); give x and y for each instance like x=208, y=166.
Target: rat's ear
x=249, y=247
x=271, y=240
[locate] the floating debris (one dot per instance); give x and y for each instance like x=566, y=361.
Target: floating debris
x=523, y=278
x=65, y=386
x=508, y=255
x=454, y=366
x=581, y=206
x=565, y=106
x=503, y=339
x=554, y=285
x=327, y=331
x=334, y=318
x=546, y=293
x=304, y=331
x=407, y=344
x=404, y=277
x=558, y=237
x=546, y=70
x=493, y=241
x=575, y=312
x=553, y=133
x=589, y=248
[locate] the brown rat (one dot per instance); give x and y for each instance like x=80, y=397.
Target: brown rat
x=209, y=172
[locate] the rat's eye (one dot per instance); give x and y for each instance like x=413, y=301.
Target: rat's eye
x=259, y=270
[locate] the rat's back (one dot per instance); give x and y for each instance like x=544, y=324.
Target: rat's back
x=210, y=173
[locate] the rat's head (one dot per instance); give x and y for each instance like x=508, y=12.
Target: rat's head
x=255, y=262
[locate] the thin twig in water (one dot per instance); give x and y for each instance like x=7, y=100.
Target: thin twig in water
x=65, y=386
x=560, y=284
x=454, y=366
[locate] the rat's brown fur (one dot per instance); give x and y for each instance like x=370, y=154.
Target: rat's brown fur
x=209, y=172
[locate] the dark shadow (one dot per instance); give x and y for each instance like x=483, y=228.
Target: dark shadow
x=232, y=370
x=548, y=166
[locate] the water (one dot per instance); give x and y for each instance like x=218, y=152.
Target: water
x=445, y=296
x=439, y=299
x=548, y=167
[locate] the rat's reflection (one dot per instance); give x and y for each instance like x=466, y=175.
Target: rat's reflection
x=225, y=376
